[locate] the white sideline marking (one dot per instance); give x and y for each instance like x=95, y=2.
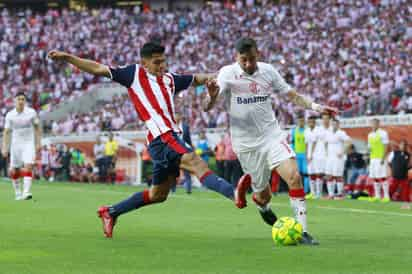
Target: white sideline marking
x=347, y=209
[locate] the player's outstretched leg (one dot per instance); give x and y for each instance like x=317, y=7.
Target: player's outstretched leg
x=109, y=214
x=289, y=172
x=194, y=164
x=262, y=200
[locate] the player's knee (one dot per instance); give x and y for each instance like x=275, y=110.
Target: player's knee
x=158, y=197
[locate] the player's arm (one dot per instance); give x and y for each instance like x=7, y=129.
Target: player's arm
x=86, y=65
x=213, y=93
x=6, y=142
x=307, y=103
x=385, y=141
x=37, y=133
x=202, y=78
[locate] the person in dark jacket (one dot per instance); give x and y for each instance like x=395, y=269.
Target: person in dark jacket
x=400, y=161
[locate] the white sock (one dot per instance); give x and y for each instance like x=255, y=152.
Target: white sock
x=319, y=187
x=299, y=207
x=339, y=185
x=312, y=184
x=385, y=186
x=27, y=184
x=331, y=188
x=16, y=186
x=377, y=188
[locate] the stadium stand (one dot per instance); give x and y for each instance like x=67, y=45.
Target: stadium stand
x=353, y=54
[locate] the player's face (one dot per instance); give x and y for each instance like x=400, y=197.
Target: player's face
x=156, y=64
x=301, y=122
x=375, y=124
x=325, y=120
x=335, y=125
x=248, y=60
x=311, y=123
x=20, y=101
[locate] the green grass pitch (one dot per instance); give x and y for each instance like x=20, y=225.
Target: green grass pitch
x=58, y=232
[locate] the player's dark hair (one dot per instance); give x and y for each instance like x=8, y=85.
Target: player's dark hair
x=150, y=48
x=20, y=93
x=245, y=44
x=312, y=117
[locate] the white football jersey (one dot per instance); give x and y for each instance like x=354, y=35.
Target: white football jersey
x=310, y=139
x=320, y=149
x=336, y=142
x=252, y=120
x=22, y=125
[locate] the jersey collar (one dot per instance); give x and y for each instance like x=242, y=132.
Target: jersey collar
x=241, y=72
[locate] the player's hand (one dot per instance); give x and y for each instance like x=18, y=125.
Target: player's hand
x=212, y=88
x=382, y=161
x=57, y=55
x=340, y=155
x=5, y=154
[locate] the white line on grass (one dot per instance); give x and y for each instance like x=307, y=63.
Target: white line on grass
x=346, y=209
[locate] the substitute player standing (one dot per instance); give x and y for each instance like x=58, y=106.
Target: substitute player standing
x=336, y=140
x=310, y=140
x=24, y=141
x=378, y=146
x=319, y=153
x=151, y=89
x=256, y=136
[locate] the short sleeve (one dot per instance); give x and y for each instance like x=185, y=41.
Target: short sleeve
x=390, y=157
x=345, y=137
x=7, y=124
x=123, y=75
x=223, y=80
x=385, y=138
x=278, y=83
x=182, y=82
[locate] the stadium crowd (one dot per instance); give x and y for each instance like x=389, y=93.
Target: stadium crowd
x=352, y=54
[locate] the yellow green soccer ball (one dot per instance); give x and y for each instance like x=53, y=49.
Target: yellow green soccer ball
x=287, y=231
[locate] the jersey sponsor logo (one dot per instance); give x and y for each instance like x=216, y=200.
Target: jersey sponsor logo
x=252, y=100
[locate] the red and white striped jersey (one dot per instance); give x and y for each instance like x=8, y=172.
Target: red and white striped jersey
x=152, y=96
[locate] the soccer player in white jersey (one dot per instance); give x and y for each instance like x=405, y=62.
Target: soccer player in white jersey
x=336, y=140
x=310, y=140
x=378, y=141
x=24, y=125
x=319, y=153
x=256, y=136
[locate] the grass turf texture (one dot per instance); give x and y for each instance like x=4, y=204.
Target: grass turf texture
x=59, y=232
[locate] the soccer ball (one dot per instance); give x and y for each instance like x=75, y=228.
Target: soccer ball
x=287, y=231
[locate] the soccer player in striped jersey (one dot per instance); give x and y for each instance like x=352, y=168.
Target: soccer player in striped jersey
x=151, y=89
x=256, y=135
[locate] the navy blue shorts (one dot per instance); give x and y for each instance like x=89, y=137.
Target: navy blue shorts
x=166, y=151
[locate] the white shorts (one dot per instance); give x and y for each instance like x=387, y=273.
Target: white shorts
x=317, y=166
x=22, y=154
x=376, y=169
x=335, y=166
x=260, y=162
